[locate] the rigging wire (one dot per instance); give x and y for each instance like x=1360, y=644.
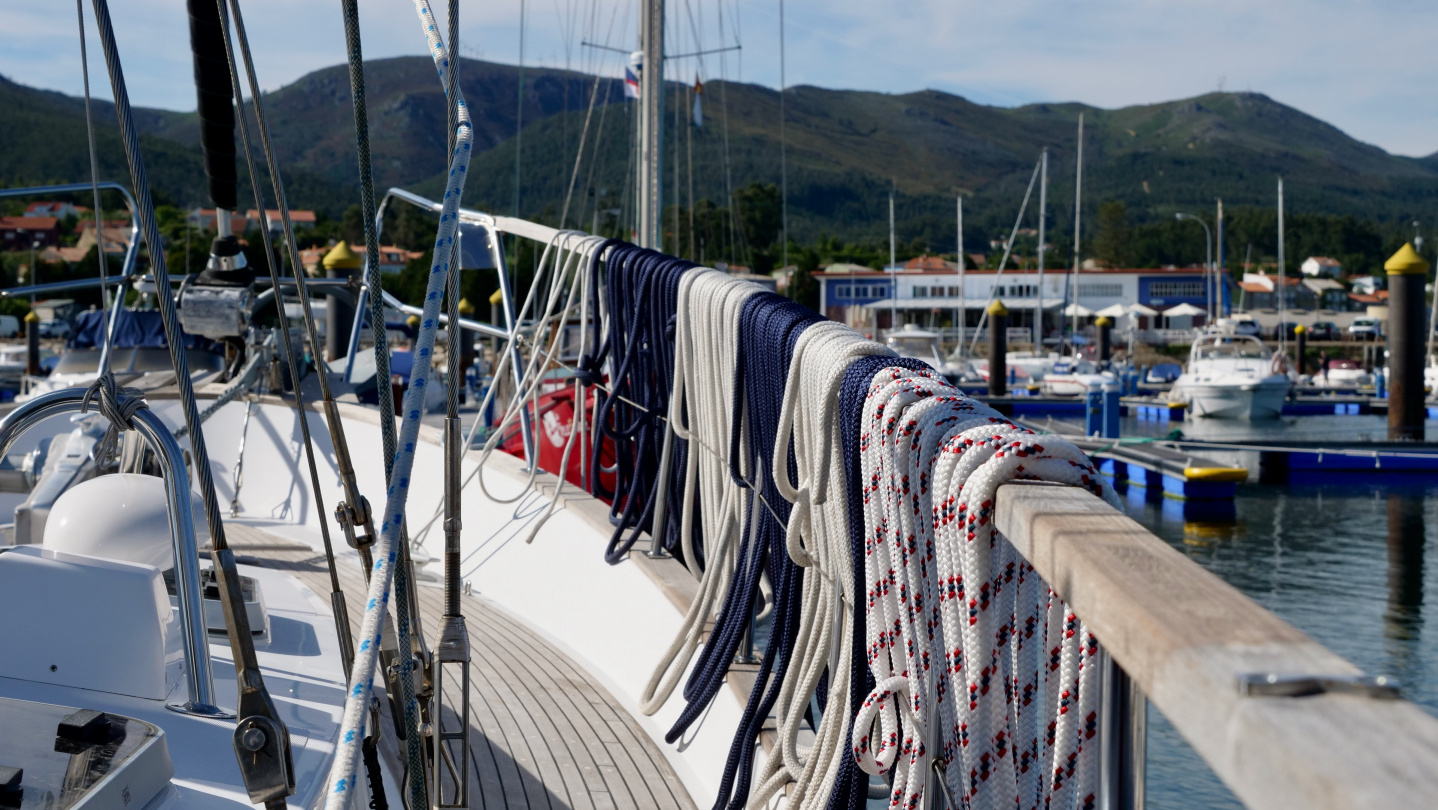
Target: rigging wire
x=95, y=180
x=579, y=153
x=519, y=114
x=1008, y=250
x=783, y=146
x=730, y=203
x=341, y=778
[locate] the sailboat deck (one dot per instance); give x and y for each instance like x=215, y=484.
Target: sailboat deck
x=544, y=734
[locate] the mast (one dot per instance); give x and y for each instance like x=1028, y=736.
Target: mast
x=1432, y=326
x=1078, y=222
x=893, y=270
x=1043, y=220
x=651, y=124
x=1279, y=287
x=1218, y=308
x=784, y=149
x=962, y=313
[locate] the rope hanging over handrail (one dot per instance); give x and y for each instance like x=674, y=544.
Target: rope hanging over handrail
x=641, y=293
x=856, y=487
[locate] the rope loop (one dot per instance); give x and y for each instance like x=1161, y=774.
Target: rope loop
x=116, y=404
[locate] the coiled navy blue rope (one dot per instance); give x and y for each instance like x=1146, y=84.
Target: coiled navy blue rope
x=852, y=785
x=642, y=293
x=769, y=328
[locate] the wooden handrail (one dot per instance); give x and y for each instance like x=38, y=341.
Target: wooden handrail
x=1188, y=639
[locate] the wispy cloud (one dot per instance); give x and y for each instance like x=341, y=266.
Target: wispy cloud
x=1363, y=65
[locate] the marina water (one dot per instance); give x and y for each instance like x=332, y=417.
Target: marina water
x=1349, y=563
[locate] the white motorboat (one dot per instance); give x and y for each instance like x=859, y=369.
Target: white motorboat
x=12, y=366
x=1023, y=366
x=1071, y=376
x=913, y=341
x=1343, y=373
x=1233, y=377
x=1036, y=365
x=138, y=355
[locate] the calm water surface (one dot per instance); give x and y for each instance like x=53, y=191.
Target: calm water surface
x=1350, y=564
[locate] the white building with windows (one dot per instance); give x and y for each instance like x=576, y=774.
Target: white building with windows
x=931, y=297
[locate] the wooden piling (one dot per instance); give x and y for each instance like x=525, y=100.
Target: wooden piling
x=341, y=262
x=1105, y=339
x=1300, y=333
x=1407, y=272
x=32, y=344
x=998, y=349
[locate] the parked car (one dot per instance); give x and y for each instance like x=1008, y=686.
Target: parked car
x=55, y=328
x=1365, y=329
x=9, y=326
x=1239, y=325
x=1324, y=330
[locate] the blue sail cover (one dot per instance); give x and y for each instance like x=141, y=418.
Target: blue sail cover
x=132, y=328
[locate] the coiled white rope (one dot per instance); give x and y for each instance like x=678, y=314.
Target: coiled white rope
x=579, y=248
x=701, y=413
x=817, y=538
x=1012, y=727
x=342, y=777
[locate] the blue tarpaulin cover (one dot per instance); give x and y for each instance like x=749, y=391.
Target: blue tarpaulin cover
x=132, y=328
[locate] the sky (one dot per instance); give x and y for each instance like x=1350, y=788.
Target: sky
x=1365, y=66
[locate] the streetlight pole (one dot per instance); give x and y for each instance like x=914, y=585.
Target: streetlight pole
x=1208, y=265
x=893, y=271
x=34, y=270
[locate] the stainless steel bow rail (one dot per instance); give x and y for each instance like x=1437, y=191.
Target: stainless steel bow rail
x=127, y=267
x=1283, y=721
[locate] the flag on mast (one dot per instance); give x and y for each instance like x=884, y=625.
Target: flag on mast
x=698, y=102
x=631, y=74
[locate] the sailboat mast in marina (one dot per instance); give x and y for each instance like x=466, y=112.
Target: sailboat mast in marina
x=1078, y=219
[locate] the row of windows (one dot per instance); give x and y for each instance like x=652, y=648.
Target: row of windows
x=1011, y=291
x=1158, y=289
x=861, y=290
x=1176, y=289
x=936, y=291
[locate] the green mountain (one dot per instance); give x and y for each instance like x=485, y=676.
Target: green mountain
x=845, y=150
x=43, y=141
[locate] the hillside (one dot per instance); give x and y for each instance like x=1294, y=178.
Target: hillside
x=43, y=140
x=845, y=149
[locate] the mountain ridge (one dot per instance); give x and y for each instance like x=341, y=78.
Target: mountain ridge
x=844, y=150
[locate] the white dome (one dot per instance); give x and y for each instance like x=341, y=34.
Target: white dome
x=120, y=517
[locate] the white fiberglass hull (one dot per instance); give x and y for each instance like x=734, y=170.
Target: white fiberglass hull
x=1073, y=385
x=1234, y=400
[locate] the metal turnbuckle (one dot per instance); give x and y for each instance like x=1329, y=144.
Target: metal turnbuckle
x=449, y=727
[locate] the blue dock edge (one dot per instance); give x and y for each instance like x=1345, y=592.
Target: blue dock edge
x=1158, y=485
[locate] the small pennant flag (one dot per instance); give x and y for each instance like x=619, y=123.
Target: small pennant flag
x=631, y=74
x=698, y=102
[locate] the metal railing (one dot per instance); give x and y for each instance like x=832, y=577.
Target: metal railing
x=131, y=251
x=1283, y=721
x=182, y=531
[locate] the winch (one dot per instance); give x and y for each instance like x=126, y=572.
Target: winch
x=217, y=302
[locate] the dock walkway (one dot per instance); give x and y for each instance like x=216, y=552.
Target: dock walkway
x=544, y=734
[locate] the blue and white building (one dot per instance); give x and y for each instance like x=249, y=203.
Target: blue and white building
x=930, y=296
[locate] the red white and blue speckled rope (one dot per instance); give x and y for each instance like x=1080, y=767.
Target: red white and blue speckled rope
x=1014, y=722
